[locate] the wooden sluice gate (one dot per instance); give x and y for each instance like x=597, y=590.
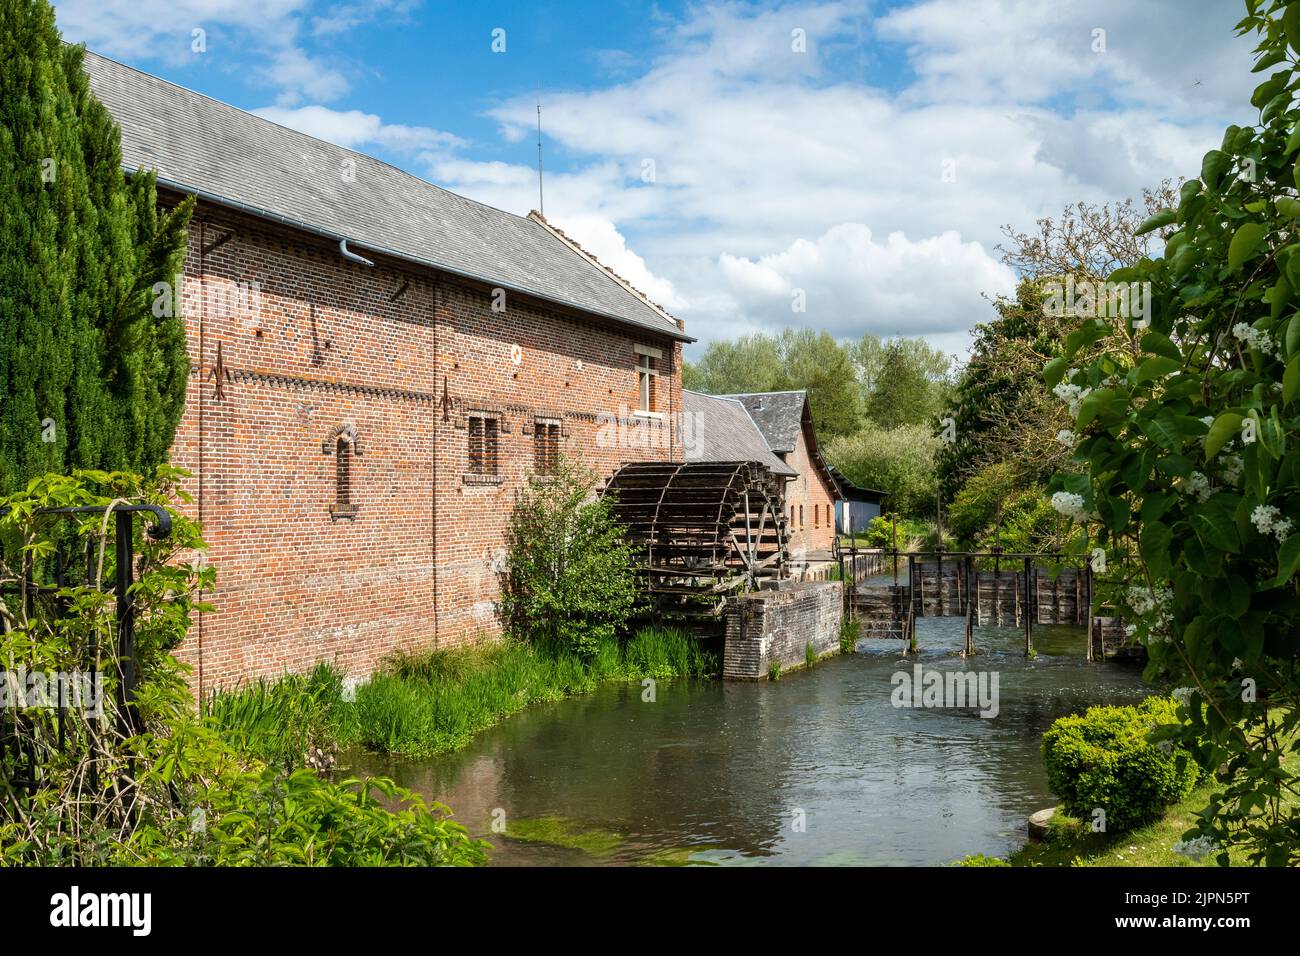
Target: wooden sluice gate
x=988, y=589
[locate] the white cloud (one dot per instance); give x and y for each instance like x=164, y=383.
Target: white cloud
x=852, y=283
x=1178, y=56
x=353, y=129
x=299, y=77
x=259, y=38
x=773, y=169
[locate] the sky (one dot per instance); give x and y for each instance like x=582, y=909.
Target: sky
x=737, y=161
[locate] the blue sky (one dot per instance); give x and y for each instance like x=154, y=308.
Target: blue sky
x=724, y=156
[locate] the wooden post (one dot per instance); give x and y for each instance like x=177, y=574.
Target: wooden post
x=1078, y=580
x=938, y=572
x=895, y=550
x=911, y=597
x=1029, y=609
x=970, y=608
x=997, y=599
x=1087, y=572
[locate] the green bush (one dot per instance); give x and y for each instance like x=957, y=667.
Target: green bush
x=980, y=502
x=436, y=701
x=570, y=582
x=281, y=721
x=849, y=628
x=1028, y=523
x=1105, y=758
x=880, y=532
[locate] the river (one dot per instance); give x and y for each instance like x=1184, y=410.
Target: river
x=818, y=768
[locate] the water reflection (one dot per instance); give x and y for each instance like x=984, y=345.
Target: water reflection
x=729, y=770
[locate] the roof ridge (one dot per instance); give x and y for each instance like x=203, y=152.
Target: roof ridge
x=559, y=233
x=305, y=135
x=439, y=228
x=721, y=398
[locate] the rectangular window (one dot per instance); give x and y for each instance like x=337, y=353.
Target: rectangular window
x=546, y=447
x=801, y=517
x=483, y=445
x=817, y=516
x=647, y=374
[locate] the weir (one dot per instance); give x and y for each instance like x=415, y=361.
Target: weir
x=987, y=588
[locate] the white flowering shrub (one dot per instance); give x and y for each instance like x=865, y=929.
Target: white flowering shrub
x=1187, y=460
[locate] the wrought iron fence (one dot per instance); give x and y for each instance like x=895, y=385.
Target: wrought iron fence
x=47, y=581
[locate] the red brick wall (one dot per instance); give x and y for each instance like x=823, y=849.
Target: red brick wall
x=331, y=343
x=814, y=494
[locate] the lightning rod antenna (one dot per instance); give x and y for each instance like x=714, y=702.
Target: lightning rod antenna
x=541, y=206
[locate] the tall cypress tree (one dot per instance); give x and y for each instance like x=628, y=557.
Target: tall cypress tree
x=89, y=376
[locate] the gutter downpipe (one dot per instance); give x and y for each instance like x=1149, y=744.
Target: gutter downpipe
x=351, y=256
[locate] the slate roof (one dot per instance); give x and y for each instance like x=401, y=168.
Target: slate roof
x=854, y=492
x=779, y=416
x=202, y=146
x=719, y=429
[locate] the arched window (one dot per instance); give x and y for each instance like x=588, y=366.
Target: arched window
x=343, y=444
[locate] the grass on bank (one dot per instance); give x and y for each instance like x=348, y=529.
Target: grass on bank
x=431, y=702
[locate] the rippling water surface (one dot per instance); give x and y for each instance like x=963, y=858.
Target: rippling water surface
x=725, y=772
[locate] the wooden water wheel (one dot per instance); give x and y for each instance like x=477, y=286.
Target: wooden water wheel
x=703, y=531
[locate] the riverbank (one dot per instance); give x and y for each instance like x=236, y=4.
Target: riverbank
x=433, y=702
x=1071, y=843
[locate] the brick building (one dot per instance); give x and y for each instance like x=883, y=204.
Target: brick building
x=785, y=420
x=377, y=364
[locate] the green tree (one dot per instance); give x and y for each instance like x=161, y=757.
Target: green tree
x=1188, y=455
x=1000, y=410
x=89, y=376
x=814, y=361
x=795, y=359
x=751, y=363
x=905, y=381
x=899, y=461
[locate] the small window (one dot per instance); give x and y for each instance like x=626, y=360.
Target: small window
x=343, y=473
x=801, y=517
x=344, y=445
x=647, y=373
x=483, y=445
x=546, y=447
x=817, y=516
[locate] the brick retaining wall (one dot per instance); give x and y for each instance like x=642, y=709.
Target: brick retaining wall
x=776, y=626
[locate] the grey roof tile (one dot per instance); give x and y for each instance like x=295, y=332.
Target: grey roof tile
x=779, y=416
x=201, y=145
x=719, y=429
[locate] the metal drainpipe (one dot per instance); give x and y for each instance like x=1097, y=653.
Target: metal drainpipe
x=350, y=255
